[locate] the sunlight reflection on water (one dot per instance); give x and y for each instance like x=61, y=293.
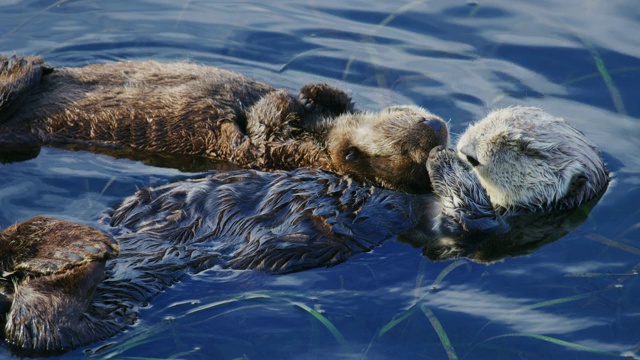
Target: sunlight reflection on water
x=577, y=60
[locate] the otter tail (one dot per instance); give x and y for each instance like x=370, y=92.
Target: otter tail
x=19, y=76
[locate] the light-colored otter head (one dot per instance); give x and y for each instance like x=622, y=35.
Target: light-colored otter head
x=526, y=158
x=390, y=147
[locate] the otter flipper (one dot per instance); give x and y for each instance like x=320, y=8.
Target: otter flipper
x=46, y=246
x=50, y=270
x=19, y=76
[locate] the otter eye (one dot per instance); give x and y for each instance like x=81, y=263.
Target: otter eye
x=352, y=154
x=473, y=161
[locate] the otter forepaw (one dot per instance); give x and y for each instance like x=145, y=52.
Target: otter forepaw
x=14, y=68
x=465, y=205
x=18, y=77
x=325, y=100
x=445, y=170
x=276, y=117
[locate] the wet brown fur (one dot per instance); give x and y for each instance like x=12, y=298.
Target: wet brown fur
x=276, y=222
x=183, y=108
x=50, y=269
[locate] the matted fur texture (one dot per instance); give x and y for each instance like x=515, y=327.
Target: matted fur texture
x=282, y=222
x=183, y=108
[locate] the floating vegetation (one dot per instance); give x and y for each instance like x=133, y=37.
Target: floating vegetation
x=561, y=300
x=569, y=345
x=55, y=4
x=444, y=339
x=615, y=94
x=236, y=299
x=332, y=329
x=612, y=243
x=397, y=320
x=435, y=323
x=446, y=272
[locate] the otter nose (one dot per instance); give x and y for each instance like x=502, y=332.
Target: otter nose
x=435, y=124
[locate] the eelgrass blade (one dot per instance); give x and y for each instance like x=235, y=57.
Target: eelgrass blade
x=395, y=321
x=183, y=354
x=606, y=241
x=444, y=339
x=616, y=97
x=56, y=4
x=474, y=10
x=107, y=185
x=446, y=272
x=562, y=300
x=541, y=304
x=324, y=321
x=621, y=70
x=401, y=10
x=138, y=338
x=226, y=302
x=556, y=341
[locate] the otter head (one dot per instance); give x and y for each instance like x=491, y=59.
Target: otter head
x=389, y=148
x=526, y=158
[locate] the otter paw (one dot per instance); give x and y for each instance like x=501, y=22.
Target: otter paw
x=465, y=205
x=445, y=169
x=15, y=68
x=18, y=77
x=325, y=100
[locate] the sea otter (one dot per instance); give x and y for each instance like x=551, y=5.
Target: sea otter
x=183, y=108
x=281, y=222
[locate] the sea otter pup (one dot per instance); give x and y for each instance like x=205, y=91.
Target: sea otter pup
x=282, y=222
x=183, y=108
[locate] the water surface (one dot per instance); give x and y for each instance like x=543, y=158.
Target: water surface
x=578, y=60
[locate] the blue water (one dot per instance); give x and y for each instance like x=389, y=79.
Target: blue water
x=578, y=60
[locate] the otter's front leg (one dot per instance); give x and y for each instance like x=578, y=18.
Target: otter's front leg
x=275, y=118
x=322, y=101
x=281, y=116
x=19, y=76
x=465, y=205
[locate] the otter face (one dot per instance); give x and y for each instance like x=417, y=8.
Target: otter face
x=390, y=147
x=524, y=157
